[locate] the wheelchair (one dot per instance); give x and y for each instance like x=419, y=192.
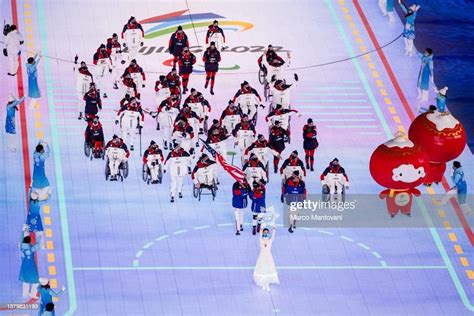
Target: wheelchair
x=211, y=190
x=123, y=170
x=288, y=138
x=146, y=175
x=327, y=196
x=97, y=151
x=266, y=165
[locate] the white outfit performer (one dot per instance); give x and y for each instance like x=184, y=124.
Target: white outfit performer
x=265, y=272
x=13, y=40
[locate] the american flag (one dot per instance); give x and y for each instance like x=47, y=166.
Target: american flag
x=233, y=171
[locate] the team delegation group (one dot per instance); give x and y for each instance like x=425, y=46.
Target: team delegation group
x=183, y=122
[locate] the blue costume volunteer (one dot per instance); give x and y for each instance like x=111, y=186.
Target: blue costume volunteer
x=459, y=189
x=425, y=75
x=409, y=28
x=461, y=184
x=46, y=294
x=10, y=121
x=410, y=17
x=33, y=220
x=441, y=100
x=426, y=71
x=32, y=70
x=40, y=183
x=29, y=270
x=240, y=191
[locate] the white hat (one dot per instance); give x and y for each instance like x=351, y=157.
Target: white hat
x=11, y=98
x=34, y=195
x=443, y=90
x=43, y=281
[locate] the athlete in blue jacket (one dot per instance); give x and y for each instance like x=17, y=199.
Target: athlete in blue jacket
x=294, y=190
x=257, y=195
x=240, y=191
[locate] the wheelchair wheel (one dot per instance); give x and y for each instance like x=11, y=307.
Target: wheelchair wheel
x=214, y=191
x=195, y=191
x=107, y=171
x=267, y=171
x=145, y=172
x=289, y=131
x=124, y=168
x=87, y=149
x=325, y=193
x=160, y=175
x=205, y=126
x=261, y=76
x=266, y=91
x=270, y=108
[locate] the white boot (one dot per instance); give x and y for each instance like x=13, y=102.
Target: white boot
x=391, y=17
x=40, y=238
x=33, y=291
x=466, y=209
x=26, y=290
x=11, y=142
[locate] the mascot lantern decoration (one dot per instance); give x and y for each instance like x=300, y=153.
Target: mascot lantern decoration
x=400, y=166
x=443, y=138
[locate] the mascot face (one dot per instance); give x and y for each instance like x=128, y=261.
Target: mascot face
x=408, y=173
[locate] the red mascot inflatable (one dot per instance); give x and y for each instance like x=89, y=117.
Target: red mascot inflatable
x=443, y=138
x=400, y=166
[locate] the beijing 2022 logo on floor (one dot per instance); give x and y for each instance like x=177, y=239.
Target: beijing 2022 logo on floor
x=163, y=26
